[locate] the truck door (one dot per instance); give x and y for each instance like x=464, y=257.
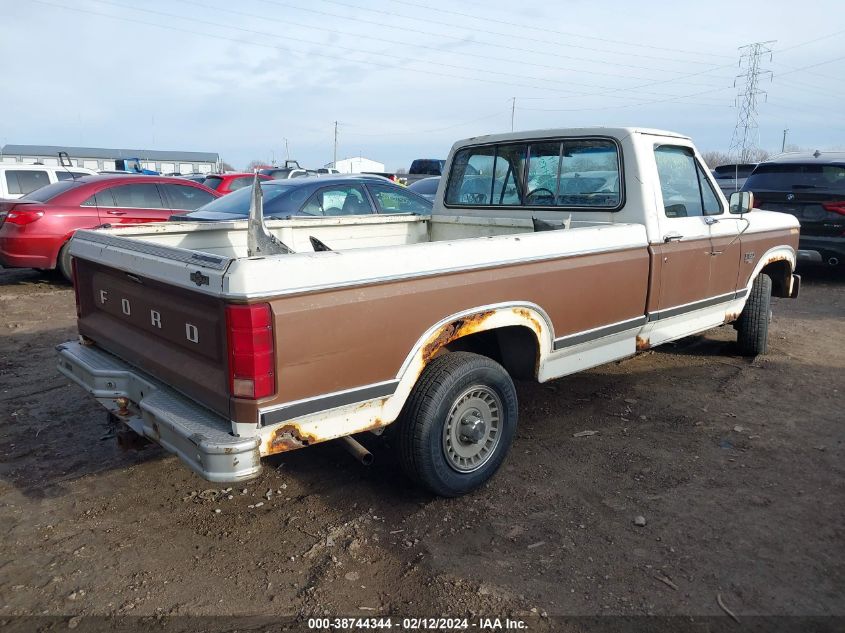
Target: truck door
x=697, y=260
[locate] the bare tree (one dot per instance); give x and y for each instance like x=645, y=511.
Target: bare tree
x=256, y=164
x=715, y=158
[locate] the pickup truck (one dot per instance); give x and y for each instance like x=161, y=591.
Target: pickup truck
x=547, y=253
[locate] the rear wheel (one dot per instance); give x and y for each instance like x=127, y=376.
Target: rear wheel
x=64, y=262
x=458, y=423
x=753, y=324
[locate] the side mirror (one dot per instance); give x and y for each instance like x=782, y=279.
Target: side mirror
x=741, y=202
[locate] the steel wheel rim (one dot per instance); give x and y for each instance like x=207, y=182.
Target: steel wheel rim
x=473, y=428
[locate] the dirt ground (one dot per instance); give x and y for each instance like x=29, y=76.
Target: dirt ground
x=736, y=465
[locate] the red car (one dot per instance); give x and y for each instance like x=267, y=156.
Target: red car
x=227, y=183
x=35, y=229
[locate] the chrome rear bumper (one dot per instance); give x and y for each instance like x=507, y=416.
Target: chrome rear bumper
x=201, y=439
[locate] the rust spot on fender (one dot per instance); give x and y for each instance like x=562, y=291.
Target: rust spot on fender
x=454, y=330
x=528, y=316
x=730, y=317
x=289, y=437
x=643, y=344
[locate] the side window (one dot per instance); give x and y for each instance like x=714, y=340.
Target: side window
x=710, y=203
x=240, y=183
x=337, y=200
x=140, y=196
x=186, y=197
x=61, y=174
x=543, y=166
x=685, y=190
x=102, y=198
x=24, y=181
x=394, y=200
x=678, y=182
x=589, y=174
x=507, y=182
x=471, y=180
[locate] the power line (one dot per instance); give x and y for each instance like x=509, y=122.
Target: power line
x=433, y=130
x=813, y=41
x=557, y=32
x=501, y=34
x=745, y=133
x=288, y=22
x=288, y=49
x=498, y=44
x=796, y=70
x=628, y=105
x=351, y=49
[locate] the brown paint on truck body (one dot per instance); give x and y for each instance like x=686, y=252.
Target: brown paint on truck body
x=344, y=338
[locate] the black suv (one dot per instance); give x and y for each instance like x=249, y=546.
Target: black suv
x=812, y=188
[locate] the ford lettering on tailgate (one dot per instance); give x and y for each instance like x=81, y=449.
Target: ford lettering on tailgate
x=142, y=307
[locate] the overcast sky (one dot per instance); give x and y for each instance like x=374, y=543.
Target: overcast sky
x=405, y=79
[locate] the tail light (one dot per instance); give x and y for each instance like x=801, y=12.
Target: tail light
x=23, y=216
x=74, y=278
x=252, y=358
x=837, y=206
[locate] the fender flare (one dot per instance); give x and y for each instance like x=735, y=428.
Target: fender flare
x=461, y=324
x=774, y=254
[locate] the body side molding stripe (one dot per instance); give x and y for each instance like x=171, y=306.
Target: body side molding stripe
x=696, y=305
x=322, y=403
x=589, y=335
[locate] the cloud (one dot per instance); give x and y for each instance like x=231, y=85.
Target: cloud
x=240, y=78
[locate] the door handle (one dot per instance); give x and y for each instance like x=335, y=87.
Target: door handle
x=711, y=221
x=673, y=237
x=116, y=212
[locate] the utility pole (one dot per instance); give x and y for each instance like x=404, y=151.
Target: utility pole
x=287, y=150
x=746, y=134
x=334, y=160
x=513, y=110
x=783, y=143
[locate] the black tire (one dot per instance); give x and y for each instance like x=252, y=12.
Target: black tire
x=64, y=263
x=753, y=324
x=424, y=424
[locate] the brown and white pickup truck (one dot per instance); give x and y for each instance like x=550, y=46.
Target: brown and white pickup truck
x=547, y=253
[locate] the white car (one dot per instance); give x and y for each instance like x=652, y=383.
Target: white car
x=17, y=180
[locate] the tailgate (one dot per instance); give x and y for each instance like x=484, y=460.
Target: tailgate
x=175, y=334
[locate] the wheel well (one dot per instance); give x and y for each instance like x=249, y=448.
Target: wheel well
x=780, y=273
x=515, y=347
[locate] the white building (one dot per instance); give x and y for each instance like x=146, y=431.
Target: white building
x=357, y=165
x=97, y=158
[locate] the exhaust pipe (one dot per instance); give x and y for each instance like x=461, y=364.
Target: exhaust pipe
x=357, y=450
x=833, y=261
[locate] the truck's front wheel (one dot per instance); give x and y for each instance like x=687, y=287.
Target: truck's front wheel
x=458, y=423
x=753, y=323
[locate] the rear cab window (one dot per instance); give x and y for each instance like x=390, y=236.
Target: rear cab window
x=575, y=174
